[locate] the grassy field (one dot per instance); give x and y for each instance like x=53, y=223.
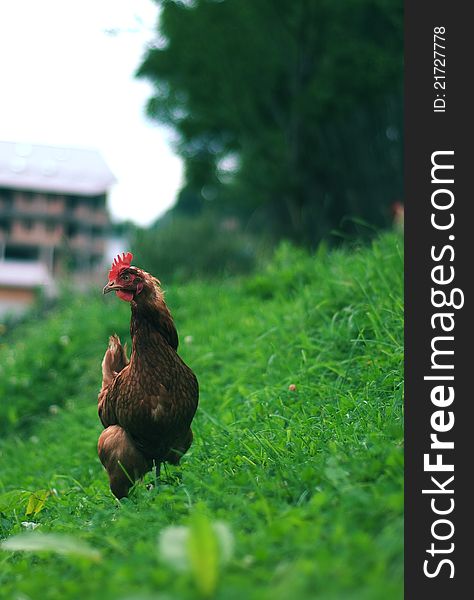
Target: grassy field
x=284, y=493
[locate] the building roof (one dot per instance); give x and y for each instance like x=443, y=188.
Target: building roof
x=53, y=169
x=23, y=274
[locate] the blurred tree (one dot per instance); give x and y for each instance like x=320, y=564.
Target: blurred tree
x=288, y=113
x=179, y=247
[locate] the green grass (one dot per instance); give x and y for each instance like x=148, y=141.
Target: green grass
x=308, y=482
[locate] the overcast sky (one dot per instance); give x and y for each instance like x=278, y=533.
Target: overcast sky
x=66, y=78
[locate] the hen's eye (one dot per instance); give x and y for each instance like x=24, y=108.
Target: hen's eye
x=126, y=277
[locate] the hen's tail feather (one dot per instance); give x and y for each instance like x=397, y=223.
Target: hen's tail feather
x=115, y=359
x=122, y=460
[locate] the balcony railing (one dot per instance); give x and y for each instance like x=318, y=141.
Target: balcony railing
x=80, y=242
x=38, y=207
x=87, y=244
x=89, y=215
x=38, y=234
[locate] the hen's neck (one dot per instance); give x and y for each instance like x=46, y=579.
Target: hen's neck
x=152, y=325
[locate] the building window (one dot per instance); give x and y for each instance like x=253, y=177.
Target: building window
x=21, y=253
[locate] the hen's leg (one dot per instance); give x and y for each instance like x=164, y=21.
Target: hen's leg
x=115, y=359
x=180, y=446
x=123, y=462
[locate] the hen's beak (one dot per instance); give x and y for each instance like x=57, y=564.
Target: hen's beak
x=109, y=287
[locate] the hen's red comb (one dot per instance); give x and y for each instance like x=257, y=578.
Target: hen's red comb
x=120, y=262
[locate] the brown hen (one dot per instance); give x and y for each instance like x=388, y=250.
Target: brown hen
x=146, y=404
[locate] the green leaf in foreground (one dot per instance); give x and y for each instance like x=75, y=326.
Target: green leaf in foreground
x=200, y=549
x=50, y=542
x=203, y=548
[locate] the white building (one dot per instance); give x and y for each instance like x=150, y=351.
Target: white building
x=53, y=217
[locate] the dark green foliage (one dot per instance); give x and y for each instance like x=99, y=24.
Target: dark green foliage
x=305, y=97
x=309, y=481
x=179, y=248
x=43, y=363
